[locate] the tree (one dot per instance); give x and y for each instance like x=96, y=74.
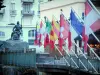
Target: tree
x=1, y=4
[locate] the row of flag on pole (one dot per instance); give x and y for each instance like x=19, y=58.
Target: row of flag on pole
x=68, y=29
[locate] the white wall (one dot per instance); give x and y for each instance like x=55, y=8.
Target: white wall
x=6, y=18
x=18, y=7
x=53, y=8
x=7, y=31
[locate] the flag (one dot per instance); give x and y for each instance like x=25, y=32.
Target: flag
x=92, y=18
x=46, y=40
x=76, y=24
x=56, y=28
x=41, y=31
x=84, y=39
x=69, y=40
x=92, y=21
x=52, y=39
x=37, y=36
x=71, y=36
x=54, y=33
x=48, y=26
x=47, y=32
x=78, y=27
x=73, y=33
x=63, y=34
x=64, y=27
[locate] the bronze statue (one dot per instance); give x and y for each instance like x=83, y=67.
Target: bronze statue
x=17, y=31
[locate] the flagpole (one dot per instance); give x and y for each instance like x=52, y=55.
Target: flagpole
x=79, y=59
x=82, y=54
x=56, y=19
x=89, y=27
x=91, y=48
x=62, y=55
x=64, y=49
x=94, y=7
x=87, y=43
x=86, y=57
x=70, y=25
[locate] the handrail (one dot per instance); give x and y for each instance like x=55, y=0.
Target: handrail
x=80, y=61
x=62, y=55
x=71, y=58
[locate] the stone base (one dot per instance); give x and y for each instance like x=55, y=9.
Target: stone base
x=15, y=45
x=54, y=52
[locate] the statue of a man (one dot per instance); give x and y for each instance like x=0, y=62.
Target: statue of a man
x=17, y=31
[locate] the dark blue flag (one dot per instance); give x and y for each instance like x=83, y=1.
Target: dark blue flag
x=76, y=24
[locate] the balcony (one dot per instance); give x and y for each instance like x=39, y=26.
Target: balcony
x=30, y=13
x=13, y=12
x=27, y=1
x=2, y=11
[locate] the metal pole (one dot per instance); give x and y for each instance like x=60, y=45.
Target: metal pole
x=62, y=55
x=94, y=7
x=88, y=60
x=84, y=25
x=71, y=58
x=79, y=59
x=88, y=44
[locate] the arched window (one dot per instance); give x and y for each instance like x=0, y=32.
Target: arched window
x=2, y=33
x=31, y=35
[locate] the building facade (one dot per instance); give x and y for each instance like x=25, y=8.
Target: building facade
x=24, y=11
x=53, y=7
x=27, y=12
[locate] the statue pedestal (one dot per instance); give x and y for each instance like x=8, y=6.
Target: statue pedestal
x=15, y=45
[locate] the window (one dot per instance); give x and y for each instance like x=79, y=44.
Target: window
x=31, y=33
x=2, y=34
x=49, y=0
x=31, y=42
x=41, y=1
x=12, y=13
x=27, y=7
x=12, y=19
x=12, y=6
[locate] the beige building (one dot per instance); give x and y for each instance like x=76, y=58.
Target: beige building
x=53, y=7
x=24, y=11
x=27, y=13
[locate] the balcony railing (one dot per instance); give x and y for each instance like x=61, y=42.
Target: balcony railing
x=2, y=11
x=29, y=1
x=27, y=12
x=13, y=12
